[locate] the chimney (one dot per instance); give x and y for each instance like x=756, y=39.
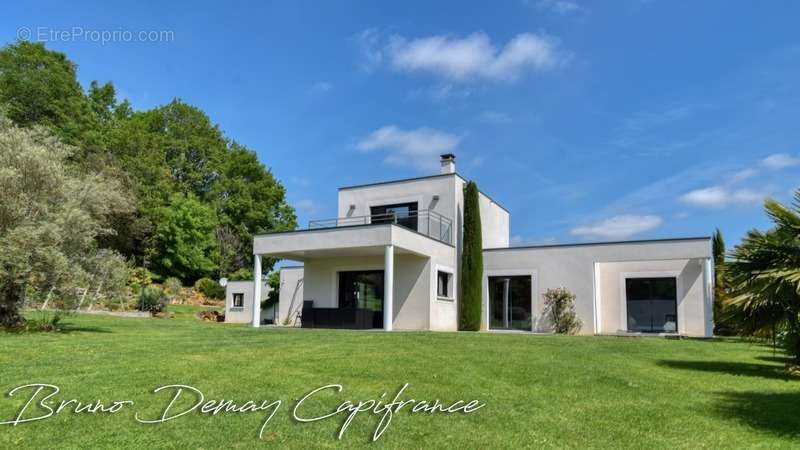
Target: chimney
x=448, y=163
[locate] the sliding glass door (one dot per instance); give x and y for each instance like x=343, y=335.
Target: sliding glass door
x=652, y=304
x=510, y=303
x=362, y=293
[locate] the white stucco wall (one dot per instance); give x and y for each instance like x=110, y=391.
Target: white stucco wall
x=494, y=219
x=421, y=192
x=494, y=223
x=611, y=299
x=416, y=260
x=411, y=285
x=417, y=190
x=290, y=301
x=244, y=314
x=574, y=267
x=443, y=314
x=450, y=190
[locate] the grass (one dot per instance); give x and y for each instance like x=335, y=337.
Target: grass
x=540, y=391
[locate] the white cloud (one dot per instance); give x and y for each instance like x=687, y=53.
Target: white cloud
x=779, y=161
x=474, y=56
x=475, y=162
x=495, y=117
x=681, y=215
x=560, y=6
x=441, y=92
x=321, y=87
x=720, y=197
x=643, y=130
x=308, y=206
x=646, y=120
x=618, y=227
x=368, y=44
x=742, y=175
x=300, y=181
x=417, y=148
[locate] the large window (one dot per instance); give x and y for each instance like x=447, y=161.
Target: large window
x=510, y=303
x=404, y=214
x=444, y=282
x=361, y=289
x=652, y=304
x=238, y=300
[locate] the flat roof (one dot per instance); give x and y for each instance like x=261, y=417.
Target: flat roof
x=347, y=227
x=585, y=244
x=426, y=177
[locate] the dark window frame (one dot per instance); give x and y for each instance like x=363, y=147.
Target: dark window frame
x=448, y=279
x=514, y=311
x=378, y=214
x=240, y=297
x=653, y=293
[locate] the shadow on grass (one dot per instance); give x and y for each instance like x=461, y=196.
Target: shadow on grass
x=776, y=359
x=770, y=371
x=771, y=412
x=71, y=328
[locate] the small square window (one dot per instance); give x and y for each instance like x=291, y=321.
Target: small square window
x=238, y=300
x=443, y=284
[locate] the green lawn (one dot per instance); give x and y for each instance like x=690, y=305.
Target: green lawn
x=540, y=391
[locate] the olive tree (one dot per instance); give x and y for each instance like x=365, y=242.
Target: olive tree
x=50, y=216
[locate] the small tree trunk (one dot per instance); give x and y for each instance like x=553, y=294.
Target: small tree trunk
x=83, y=297
x=47, y=299
x=96, y=294
x=10, y=298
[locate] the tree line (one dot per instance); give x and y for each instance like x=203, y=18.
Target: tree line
x=89, y=184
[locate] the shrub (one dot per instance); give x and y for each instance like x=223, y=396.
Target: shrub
x=274, y=283
x=243, y=274
x=40, y=321
x=138, y=278
x=209, y=301
x=471, y=262
x=559, y=307
x=210, y=288
x=268, y=302
x=172, y=287
x=152, y=299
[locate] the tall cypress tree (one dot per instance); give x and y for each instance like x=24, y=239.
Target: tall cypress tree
x=471, y=262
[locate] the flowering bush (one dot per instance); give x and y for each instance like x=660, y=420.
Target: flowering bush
x=559, y=307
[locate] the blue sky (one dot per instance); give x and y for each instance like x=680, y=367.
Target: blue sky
x=587, y=120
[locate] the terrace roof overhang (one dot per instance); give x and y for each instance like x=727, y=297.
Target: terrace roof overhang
x=358, y=240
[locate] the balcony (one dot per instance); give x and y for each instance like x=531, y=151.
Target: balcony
x=426, y=222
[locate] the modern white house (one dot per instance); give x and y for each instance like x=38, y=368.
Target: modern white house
x=390, y=261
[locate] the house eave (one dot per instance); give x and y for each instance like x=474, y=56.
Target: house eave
x=601, y=243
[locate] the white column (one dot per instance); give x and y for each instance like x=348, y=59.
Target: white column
x=257, y=291
x=708, y=284
x=388, y=287
x=598, y=300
